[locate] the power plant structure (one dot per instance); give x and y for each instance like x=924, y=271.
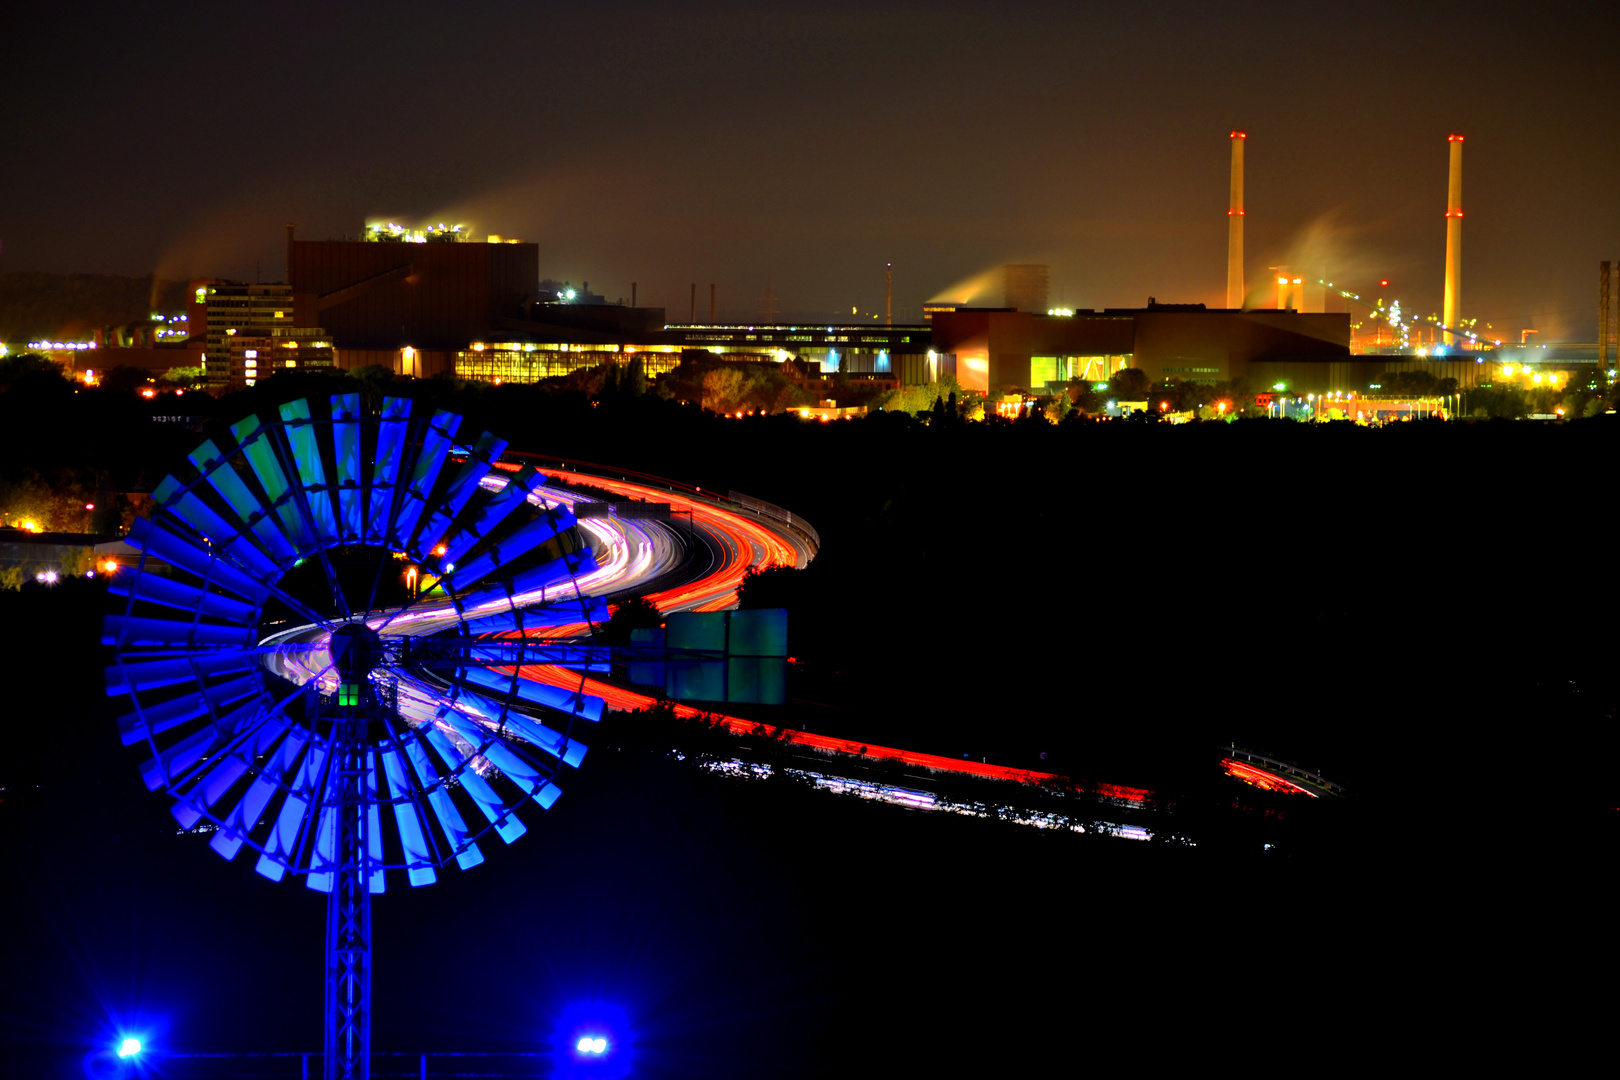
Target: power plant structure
x=1454, y=215
x=1234, y=227
x=1025, y=287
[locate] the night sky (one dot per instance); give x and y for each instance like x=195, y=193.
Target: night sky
x=805, y=146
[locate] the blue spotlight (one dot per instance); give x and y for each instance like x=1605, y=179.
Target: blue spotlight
x=594, y=1040
x=129, y=1048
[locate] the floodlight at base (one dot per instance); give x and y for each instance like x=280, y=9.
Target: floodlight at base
x=129, y=1048
x=588, y=1045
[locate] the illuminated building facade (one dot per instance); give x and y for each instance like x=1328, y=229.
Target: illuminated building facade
x=899, y=354
x=247, y=356
x=234, y=309
x=998, y=349
x=435, y=297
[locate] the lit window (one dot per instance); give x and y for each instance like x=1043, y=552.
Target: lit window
x=251, y=353
x=291, y=362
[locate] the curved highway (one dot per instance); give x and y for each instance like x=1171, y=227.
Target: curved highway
x=679, y=567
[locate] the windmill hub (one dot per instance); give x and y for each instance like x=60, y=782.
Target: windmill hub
x=356, y=650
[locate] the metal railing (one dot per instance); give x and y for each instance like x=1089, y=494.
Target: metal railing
x=305, y=1065
x=776, y=513
x=1255, y=758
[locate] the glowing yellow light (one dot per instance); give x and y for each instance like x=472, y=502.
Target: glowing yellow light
x=1507, y=371
x=1536, y=379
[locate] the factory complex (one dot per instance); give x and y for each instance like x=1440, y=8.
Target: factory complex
x=435, y=301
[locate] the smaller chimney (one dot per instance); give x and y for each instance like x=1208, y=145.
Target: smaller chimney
x=692, y=318
x=289, y=252
x=632, y=294
x=711, y=303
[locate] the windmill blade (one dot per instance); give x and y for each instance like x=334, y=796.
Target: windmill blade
x=449, y=818
x=525, y=539
x=280, y=851
x=436, y=444
x=418, y=856
x=126, y=677
x=244, y=817
x=556, y=613
x=507, y=825
x=391, y=431
x=199, y=794
x=156, y=719
x=531, y=581
x=254, y=440
x=478, y=465
x=173, y=548
x=501, y=756
x=306, y=456
x=323, y=856
x=346, y=452
x=234, y=490
x=175, y=594
x=528, y=729
x=585, y=706
x=376, y=880
x=516, y=492
x=124, y=631
x=185, y=505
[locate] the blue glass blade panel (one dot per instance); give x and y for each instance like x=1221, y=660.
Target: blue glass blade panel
x=257, y=517
x=324, y=856
x=152, y=674
x=466, y=481
x=173, y=548
x=585, y=706
x=175, y=594
x=376, y=879
x=507, y=825
x=126, y=630
x=436, y=444
x=496, y=510
x=306, y=457
x=219, y=532
x=391, y=431
x=181, y=756
x=156, y=719
x=254, y=440
x=346, y=449
x=418, y=856
x=525, y=539
x=556, y=613
x=450, y=819
x=244, y=816
x=529, y=730
x=281, y=846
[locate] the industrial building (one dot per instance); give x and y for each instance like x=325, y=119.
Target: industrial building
x=1001, y=349
x=235, y=309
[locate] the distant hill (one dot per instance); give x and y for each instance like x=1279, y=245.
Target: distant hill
x=36, y=306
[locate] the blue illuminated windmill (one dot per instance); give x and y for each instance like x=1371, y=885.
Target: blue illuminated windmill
x=321, y=644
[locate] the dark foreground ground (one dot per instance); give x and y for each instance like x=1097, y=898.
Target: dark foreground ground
x=1426, y=615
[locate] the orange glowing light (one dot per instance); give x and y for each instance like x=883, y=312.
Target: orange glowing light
x=110, y=566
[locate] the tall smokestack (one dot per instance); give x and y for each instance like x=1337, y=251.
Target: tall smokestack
x=632, y=294
x=1234, y=227
x=693, y=317
x=888, y=294
x=1606, y=329
x=289, y=251
x=1454, y=216
x=711, y=303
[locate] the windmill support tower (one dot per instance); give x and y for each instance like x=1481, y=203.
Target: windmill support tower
x=1234, y=226
x=1454, y=217
x=888, y=294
